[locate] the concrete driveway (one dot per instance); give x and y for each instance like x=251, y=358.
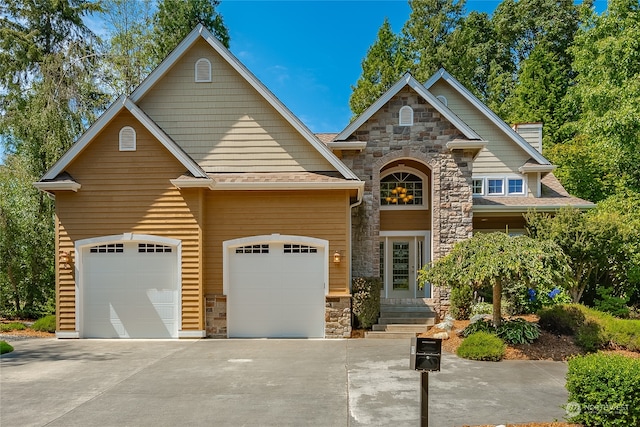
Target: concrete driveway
x=263, y=383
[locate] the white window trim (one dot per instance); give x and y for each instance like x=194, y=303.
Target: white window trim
x=482, y=180
x=400, y=122
x=425, y=193
x=198, y=78
x=505, y=185
x=516, y=193
x=135, y=139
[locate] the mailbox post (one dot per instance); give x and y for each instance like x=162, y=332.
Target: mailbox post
x=425, y=356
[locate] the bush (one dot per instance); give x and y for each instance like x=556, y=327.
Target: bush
x=481, y=308
x=45, y=324
x=461, y=300
x=518, y=331
x=561, y=319
x=603, y=390
x=607, y=303
x=593, y=329
x=366, y=300
x=5, y=347
x=14, y=326
x=482, y=346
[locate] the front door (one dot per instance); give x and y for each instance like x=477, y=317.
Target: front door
x=401, y=274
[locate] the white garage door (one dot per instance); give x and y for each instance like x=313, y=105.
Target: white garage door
x=130, y=290
x=276, y=290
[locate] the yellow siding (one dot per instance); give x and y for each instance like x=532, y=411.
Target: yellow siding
x=502, y=154
x=322, y=214
x=226, y=125
x=399, y=220
x=129, y=192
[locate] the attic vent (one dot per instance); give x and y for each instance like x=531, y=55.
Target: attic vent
x=406, y=116
x=442, y=99
x=203, y=70
x=127, y=139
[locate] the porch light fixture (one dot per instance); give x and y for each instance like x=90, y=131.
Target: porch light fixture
x=337, y=257
x=64, y=258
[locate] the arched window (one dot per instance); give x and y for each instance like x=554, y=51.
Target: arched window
x=127, y=139
x=406, y=116
x=401, y=189
x=203, y=70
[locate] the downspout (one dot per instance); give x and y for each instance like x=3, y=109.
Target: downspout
x=357, y=203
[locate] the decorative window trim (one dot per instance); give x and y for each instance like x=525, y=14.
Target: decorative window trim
x=203, y=71
x=127, y=139
x=292, y=248
x=506, y=179
x=442, y=99
x=425, y=189
x=405, y=116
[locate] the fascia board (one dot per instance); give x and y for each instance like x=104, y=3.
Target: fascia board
x=345, y=185
x=84, y=140
x=347, y=145
x=524, y=209
x=488, y=113
x=192, y=183
x=537, y=168
x=165, y=140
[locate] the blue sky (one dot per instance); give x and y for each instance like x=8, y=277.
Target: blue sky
x=308, y=53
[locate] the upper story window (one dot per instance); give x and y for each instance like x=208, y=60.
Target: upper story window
x=203, y=70
x=406, y=116
x=478, y=186
x=402, y=189
x=127, y=138
x=515, y=185
x=495, y=186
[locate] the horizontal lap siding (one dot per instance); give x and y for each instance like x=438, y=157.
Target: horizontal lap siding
x=226, y=125
x=502, y=154
x=320, y=214
x=129, y=192
x=400, y=220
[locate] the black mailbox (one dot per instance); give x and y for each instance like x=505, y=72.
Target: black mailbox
x=425, y=354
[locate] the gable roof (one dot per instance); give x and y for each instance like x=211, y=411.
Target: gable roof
x=408, y=80
x=512, y=134
x=200, y=32
x=123, y=103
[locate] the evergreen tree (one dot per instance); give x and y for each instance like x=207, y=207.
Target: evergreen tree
x=384, y=64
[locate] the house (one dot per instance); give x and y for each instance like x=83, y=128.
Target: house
x=199, y=205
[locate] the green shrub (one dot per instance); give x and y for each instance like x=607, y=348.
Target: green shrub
x=13, y=326
x=461, y=300
x=45, y=324
x=603, y=390
x=590, y=336
x=5, y=347
x=518, y=331
x=482, y=346
x=561, y=319
x=366, y=300
x=608, y=303
x=481, y=308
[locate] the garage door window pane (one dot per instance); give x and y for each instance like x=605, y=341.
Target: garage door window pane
x=299, y=249
x=108, y=249
x=253, y=249
x=150, y=248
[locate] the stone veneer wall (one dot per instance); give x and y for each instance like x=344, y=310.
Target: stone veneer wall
x=451, y=197
x=337, y=316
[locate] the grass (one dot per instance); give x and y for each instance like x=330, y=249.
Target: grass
x=14, y=326
x=45, y=324
x=5, y=347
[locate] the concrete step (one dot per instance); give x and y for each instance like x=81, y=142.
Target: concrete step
x=389, y=335
x=407, y=320
x=401, y=328
x=407, y=315
x=407, y=309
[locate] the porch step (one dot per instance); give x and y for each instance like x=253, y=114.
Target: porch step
x=389, y=335
x=412, y=328
x=416, y=320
